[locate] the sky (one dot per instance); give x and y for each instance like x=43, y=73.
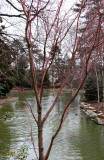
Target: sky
x=70, y=3
x=15, y=25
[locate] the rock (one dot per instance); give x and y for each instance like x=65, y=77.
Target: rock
x=99, y=121
x=81, y=106
x=82, y=103
x=83, y=110
x=91, y=108
x=95, y=115
x=95, y=110
x=87, y=106
x=101, y=115
x=100, y=112
x=91, y=113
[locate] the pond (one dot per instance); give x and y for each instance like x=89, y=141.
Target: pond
x=79, y=139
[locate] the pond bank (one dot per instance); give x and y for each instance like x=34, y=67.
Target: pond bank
x=7, y=100
x=94, y=111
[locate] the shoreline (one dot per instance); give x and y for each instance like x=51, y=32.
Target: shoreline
x=94, y=111
x=7, y=100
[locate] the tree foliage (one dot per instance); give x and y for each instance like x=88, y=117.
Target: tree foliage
x=7, y=56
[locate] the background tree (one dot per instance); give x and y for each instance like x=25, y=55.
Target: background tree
x=22, y=73
x=91, y=13
x=21, y=64
x=7, y=56
x=94, y=86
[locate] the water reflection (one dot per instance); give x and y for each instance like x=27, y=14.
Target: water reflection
x=79, y=139
x=91, y=140
x=5, y=136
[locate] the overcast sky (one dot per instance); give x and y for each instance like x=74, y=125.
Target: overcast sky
x=16, y=25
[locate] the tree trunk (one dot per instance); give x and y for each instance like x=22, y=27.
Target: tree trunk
x=98, y=91
x=103, y=86
x=40, y=135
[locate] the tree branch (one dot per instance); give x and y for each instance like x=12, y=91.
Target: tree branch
x=7, y=15
x=75, y=94
x=14, y=6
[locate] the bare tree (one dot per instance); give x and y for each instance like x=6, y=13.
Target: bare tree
x=54, y=27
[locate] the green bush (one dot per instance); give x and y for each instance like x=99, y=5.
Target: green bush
x=21, y=154
x=5, y=87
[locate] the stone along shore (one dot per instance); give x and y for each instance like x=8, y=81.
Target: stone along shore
x=94, y=111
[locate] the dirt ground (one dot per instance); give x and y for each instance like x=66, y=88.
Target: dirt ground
x=6, y=100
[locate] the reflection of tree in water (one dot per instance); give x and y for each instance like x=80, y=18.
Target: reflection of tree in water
x=5, y=136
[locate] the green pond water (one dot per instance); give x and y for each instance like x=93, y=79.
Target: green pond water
x=79, y=139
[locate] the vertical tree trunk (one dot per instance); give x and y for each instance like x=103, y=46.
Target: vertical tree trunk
x=40, y=135
x=103, y=82
x=103, y=86
x=98, y=91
